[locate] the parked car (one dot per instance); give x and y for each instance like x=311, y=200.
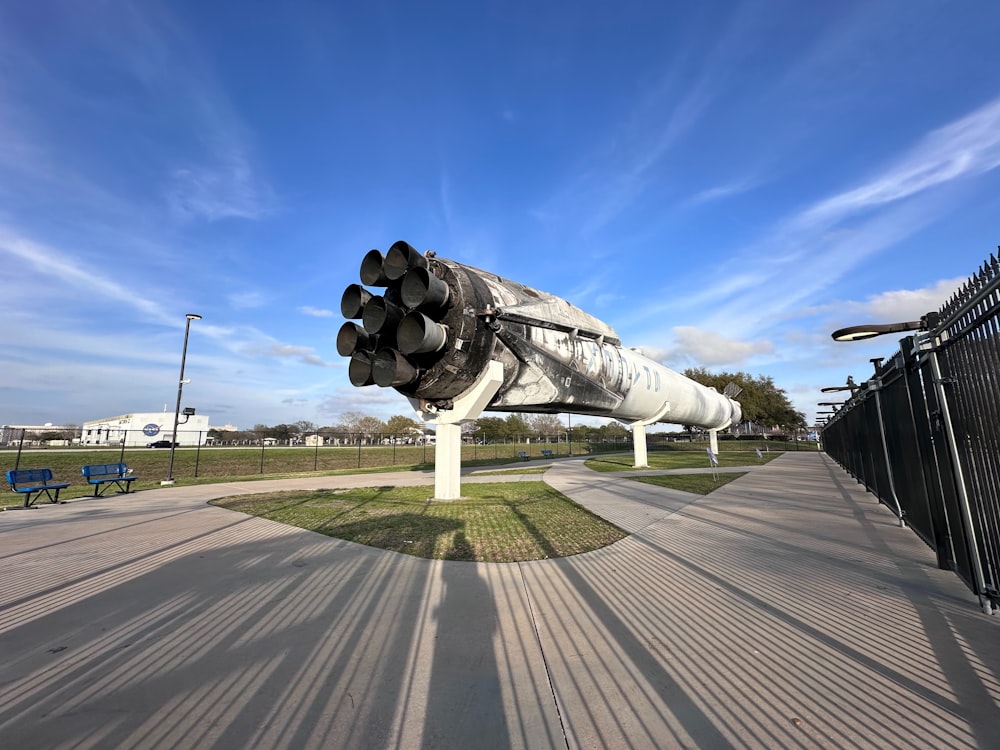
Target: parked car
x=161, y=444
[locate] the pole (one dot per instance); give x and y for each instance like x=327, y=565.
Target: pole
x=180, y=390
x=20, y=444
x=965, y=509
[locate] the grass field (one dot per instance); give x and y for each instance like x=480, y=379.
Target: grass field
x=503, y=522
x=680, y=459
x=699, y=484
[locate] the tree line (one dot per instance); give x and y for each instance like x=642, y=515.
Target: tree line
x=766, y=407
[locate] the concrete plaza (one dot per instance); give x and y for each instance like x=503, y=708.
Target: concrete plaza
x=785, y=610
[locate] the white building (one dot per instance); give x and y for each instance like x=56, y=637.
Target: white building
x=12, y=434
x=134, y=430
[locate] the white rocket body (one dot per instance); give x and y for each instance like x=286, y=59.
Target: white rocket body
x=440, y=323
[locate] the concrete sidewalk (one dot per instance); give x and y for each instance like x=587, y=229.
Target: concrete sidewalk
x=787, y=609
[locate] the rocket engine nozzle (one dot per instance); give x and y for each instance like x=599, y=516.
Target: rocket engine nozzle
x=353, y=301
x=400, y=259
x=418, y=334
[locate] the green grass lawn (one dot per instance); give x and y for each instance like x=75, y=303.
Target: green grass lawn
x=682, y=459
x=504, y=522
x=700, y=484
x=209, y=465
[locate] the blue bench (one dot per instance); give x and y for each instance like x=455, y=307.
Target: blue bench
x=546, y=454
x=104, y=476
x=523, y=455
x=35, y=482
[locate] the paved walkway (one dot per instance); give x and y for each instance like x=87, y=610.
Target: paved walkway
x=785, y=610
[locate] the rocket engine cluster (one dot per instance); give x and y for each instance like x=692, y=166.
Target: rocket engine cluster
x=437, y=324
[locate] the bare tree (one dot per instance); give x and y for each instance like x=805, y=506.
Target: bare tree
x=547, y=425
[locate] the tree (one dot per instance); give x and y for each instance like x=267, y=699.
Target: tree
x=371, y=426
x=305, y=427
x=282, y=433
x=761, y=400
x=516, y=427
x=613, y=431
x=350, y=422
x=547, y=425
x=490, y=429
x=400, y=425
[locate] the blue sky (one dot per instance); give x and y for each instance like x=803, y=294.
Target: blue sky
x=724, y=183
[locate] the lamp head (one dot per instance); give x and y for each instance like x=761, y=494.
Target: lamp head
x=871, y=330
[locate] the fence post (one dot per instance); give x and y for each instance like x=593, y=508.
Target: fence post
x=261, y=456
x=877, y=387
x=968, y=525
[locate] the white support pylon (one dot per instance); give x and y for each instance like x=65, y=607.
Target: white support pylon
x=641, y=455
x=448, y=442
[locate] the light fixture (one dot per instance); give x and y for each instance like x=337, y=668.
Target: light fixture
x=870, y=330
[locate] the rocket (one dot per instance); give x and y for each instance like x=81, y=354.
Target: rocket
x=433, y=326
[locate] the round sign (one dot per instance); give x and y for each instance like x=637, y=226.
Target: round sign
x=151, y=430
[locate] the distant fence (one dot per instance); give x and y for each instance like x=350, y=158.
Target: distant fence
x=251, y=453
x=923, y=434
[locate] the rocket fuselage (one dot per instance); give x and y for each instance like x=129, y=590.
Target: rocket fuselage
x=439, y=323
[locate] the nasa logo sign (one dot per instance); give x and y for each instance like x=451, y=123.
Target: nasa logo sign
x=151, y=430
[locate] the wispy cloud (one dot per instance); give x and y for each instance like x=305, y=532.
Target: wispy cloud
x=966, y=147
x=224, y=188
x=304, y=354
x=315, y=312
x=245, y=300
x=720, y=192
x=811, y=250
x=75, y=275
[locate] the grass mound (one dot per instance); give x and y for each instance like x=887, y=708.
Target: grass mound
x=503, y=522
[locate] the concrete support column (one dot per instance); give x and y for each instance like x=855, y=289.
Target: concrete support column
x=639, y=451
x=639, y=446
x=448, y=461
x=713, y=441
x=448, y=424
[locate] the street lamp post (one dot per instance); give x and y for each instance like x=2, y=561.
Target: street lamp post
x=180, y=390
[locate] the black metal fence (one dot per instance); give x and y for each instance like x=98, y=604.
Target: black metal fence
x=923, y=434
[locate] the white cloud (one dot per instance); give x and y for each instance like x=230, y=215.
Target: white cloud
x=304, y=354
x=698, y=347
x=910, y=304
x=315, y=312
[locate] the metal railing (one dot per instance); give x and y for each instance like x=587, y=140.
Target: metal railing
x=923, y=434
